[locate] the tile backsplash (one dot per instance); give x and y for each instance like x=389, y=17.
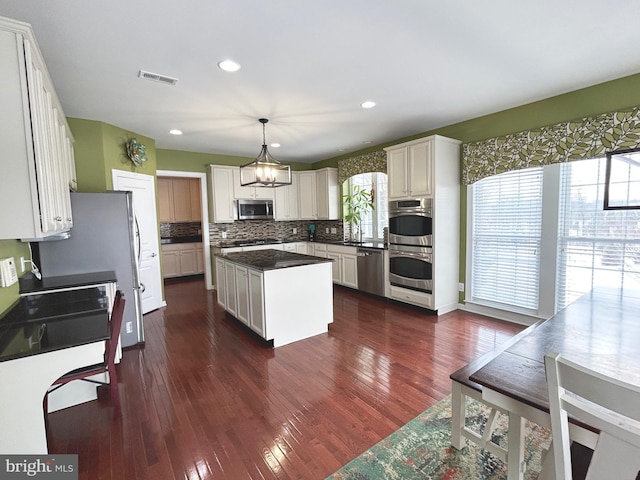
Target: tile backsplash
x=182, y=229
x=250, y=229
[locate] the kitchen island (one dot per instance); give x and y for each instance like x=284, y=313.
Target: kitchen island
x=282, y=296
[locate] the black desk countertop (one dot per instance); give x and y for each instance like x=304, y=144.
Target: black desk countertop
x=30, y=284
x=45, y=322
x=271, y=259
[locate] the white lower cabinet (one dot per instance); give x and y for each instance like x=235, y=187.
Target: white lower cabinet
x=182, y=259
x=318, y=249
x=409, y=296
x=242, y=292
x=230, y=279
x=221, y=282
x=349, y=270
x=256, y=302
x=345, y=266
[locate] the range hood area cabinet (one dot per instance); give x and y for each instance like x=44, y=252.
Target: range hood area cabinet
x=38, y=168
x=312, y=195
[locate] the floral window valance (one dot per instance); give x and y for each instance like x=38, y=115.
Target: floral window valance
x=367, y=162
x=589, y=137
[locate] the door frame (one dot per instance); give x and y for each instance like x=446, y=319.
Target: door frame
x=204, y=224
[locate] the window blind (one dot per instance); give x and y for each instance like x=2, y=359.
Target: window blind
x=506, y=234
x=596, y=247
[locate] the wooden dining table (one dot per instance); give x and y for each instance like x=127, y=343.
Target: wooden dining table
x=600, y=330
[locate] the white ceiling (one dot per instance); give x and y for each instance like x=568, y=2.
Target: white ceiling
x=308, y=64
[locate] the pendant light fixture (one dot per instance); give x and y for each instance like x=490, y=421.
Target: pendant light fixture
x=265, y=171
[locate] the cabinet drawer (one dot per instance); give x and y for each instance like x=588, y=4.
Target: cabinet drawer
x=409, y=296
x=342, y=249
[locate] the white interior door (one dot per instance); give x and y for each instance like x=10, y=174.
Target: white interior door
x=144, y=207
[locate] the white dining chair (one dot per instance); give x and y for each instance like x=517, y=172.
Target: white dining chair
x=611, y=406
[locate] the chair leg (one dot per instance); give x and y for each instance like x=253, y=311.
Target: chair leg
x=115, y=392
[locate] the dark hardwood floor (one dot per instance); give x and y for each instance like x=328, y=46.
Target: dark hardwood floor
x=206, y=399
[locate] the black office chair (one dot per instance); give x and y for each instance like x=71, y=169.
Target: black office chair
x=108, y=365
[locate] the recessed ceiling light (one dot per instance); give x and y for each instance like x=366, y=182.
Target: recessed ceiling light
x=229, y=66
x=175, y=131
x=367, y=142
x=275, y=145
x=368, y=104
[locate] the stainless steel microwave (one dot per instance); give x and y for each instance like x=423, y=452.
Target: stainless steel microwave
x=253, y=209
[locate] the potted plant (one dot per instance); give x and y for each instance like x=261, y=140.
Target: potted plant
x=358, y=202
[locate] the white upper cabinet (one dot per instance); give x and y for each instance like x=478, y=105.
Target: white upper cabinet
x=286, y=200
x=319, y=194
x=221, y=193
x=38, y=168
x=409, y=167
x=328, y=194
x=249, y=193
x=307, y=195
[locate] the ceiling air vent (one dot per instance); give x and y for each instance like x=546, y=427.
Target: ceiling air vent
x=157, y=77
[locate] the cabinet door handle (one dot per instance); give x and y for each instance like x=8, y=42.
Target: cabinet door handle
x=58, y=219
x=153, y=254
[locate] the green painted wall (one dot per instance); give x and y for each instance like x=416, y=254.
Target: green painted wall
x=197, y=162
x=15, y=249
x=605, y=97
x=99, y=148
x=113, y=141
x=88, y=152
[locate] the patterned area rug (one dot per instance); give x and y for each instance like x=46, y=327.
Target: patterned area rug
x=422, y=450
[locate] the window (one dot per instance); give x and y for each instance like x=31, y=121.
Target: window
x=540, y=238
x=596, y=247
x=507, y=219
x=374, y=222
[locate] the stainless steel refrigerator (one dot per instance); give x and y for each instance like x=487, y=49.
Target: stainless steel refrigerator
x=104, y=237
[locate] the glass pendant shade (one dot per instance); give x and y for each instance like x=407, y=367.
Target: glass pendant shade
x=265, y=171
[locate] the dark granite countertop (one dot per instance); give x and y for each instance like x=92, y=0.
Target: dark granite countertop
x=190, y=239
x=348, y=243
x=270, y=259
x=237, y=243
x=30, y=284
x=45, y=322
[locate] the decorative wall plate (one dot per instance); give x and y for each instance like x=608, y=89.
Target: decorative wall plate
x=136, y=151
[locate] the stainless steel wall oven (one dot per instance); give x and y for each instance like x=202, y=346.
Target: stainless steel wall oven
x=410, y=244
x=411, y=267
x=410, y=222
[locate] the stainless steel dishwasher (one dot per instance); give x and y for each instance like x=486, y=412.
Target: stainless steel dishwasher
x=371, y=270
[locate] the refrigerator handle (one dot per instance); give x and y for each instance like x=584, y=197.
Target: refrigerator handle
x=137, y=237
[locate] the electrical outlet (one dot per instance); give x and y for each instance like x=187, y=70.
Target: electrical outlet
x=8, y=274
x=326, y=230
x=295, y=230
x=224, y=234
x=22, y=264
x=461, y=287
x=129, y=327
x=334, y=230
